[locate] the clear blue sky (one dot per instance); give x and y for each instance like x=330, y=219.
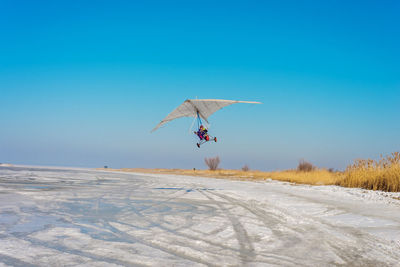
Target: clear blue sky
x=82, y=83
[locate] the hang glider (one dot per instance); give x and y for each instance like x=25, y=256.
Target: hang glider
x=199, y=108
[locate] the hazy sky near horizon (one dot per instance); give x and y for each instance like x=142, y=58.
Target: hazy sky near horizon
x=82, y=83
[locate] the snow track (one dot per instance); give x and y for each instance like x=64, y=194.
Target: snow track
x=77, y=217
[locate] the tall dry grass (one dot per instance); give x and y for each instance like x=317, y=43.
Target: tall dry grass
x=314, y=177
x=382, y=174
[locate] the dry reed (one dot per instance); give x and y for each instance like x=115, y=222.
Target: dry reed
x=382, y=174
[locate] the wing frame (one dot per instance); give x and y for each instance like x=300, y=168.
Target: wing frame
x=203, y=107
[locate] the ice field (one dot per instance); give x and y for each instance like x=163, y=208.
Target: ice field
x=82, y=217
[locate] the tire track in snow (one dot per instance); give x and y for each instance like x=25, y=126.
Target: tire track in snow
x=270, y=222
x=189, y=229
x=216, y=247
x=246, y=250
x=129, y=238
x=319, y=230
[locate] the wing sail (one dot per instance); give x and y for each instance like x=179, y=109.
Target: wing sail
x=204, y=107
x=184, y=110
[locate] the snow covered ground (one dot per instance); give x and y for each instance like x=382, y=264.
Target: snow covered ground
x=78, y=217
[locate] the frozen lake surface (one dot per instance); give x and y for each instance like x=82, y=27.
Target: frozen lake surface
x=78, y=217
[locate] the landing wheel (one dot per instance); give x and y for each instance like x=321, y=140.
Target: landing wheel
x=215, y=139
x=198, y=145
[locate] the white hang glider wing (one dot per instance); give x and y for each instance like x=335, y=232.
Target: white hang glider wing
x=203, y=108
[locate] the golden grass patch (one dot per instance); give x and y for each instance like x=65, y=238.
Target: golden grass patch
x=315, y=177
x=383, y=174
